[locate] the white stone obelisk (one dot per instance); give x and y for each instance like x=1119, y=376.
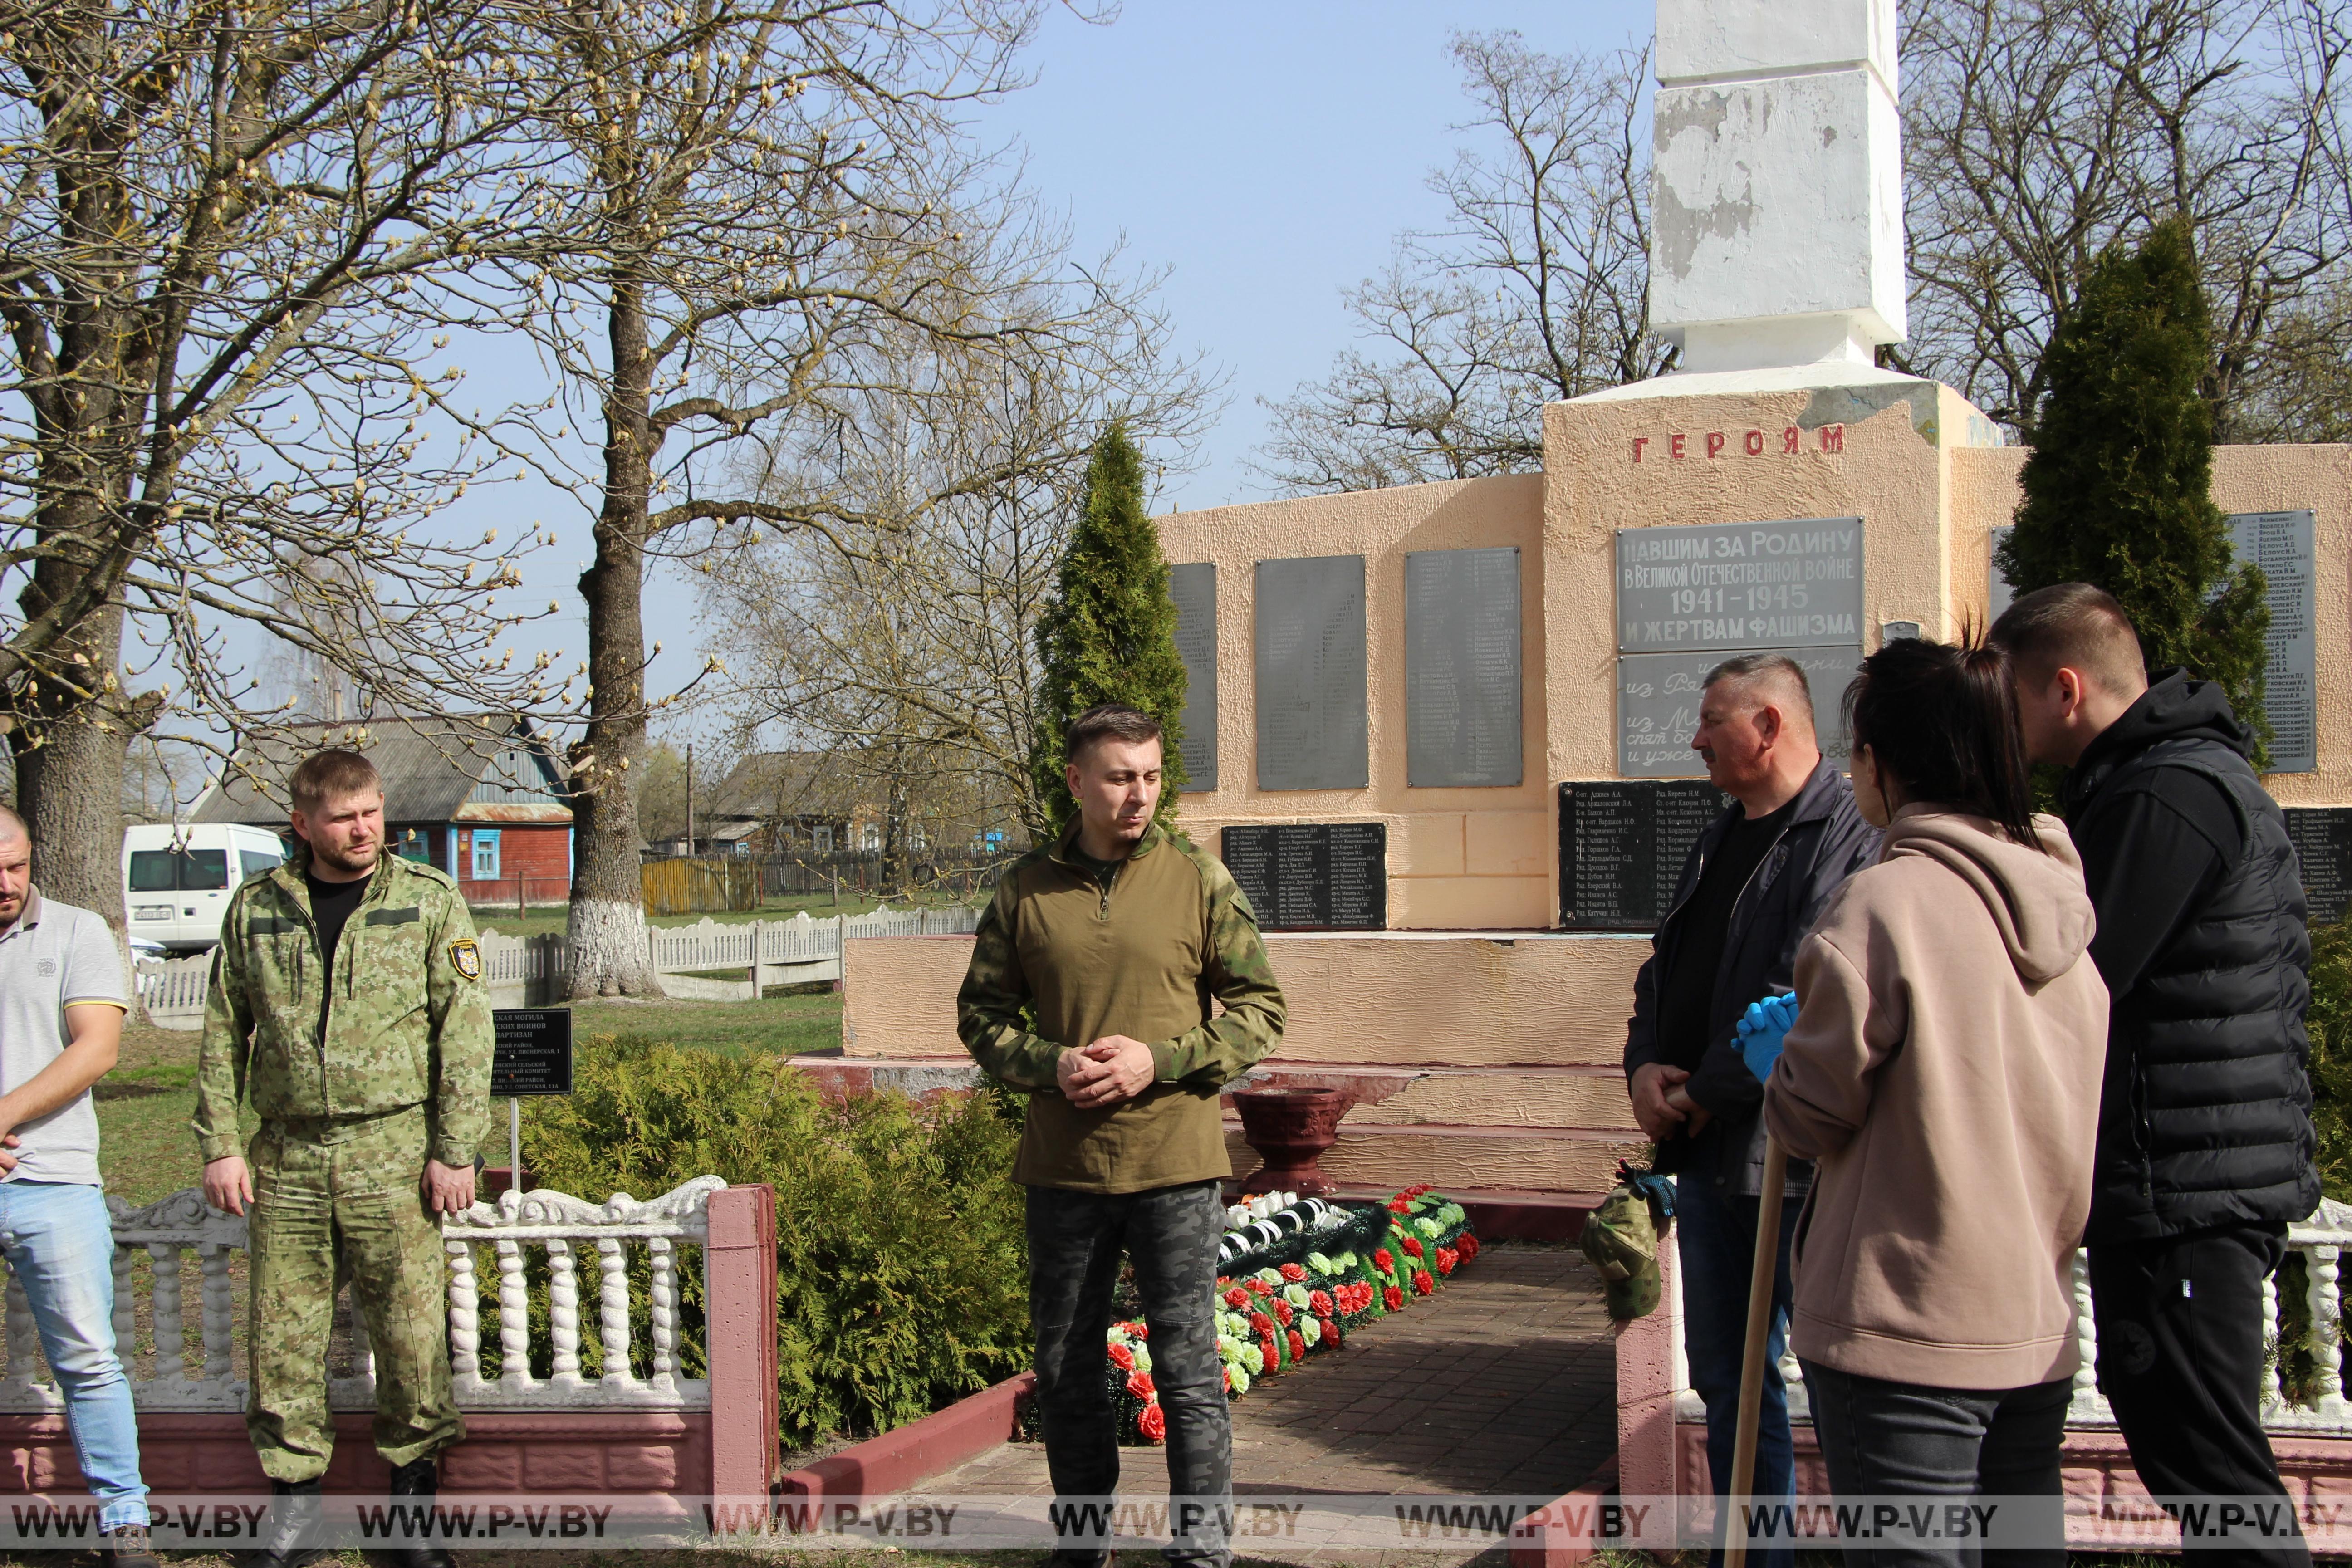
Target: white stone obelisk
x=1777, y=184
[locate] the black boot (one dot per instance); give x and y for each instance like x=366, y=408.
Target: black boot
x=126, y=1546
x=290, y=1539
x=420, y=1479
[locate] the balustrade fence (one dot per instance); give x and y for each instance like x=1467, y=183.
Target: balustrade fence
x=650, y=1280
x=2302, y=1394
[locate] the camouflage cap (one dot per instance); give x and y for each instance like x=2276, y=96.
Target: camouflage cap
x=1620, y=1238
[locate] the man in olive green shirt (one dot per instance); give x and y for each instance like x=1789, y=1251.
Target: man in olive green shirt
x=1091, y=983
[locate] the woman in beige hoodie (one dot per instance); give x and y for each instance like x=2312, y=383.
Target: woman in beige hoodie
x=1943, y=1073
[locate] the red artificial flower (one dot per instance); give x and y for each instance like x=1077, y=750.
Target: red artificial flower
x=1319, y=1302
x=1330, y=1327
x=1272, y=1352
x=1237, y=1299
x=1446, y=1258
x=1467, y=1246
x=1400, y=1204
x=1384, y=1260
x=1422, y=1283
x=1411, y=1245
x=1294, y=1273
x=1153, y=1423
x=1229, y=1379
x=1282, y=1313
x=1122, y=1357
x=1139, y=1383
x=1297, y=1344
x=1140, y=1328
x=1393, y=1298
x=1260, y=1323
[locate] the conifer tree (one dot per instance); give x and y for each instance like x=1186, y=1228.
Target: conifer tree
x=1110, y=635
x=2118, y=489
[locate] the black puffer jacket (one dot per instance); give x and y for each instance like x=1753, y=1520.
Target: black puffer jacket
x=2205, y=1109
x=1826, y=842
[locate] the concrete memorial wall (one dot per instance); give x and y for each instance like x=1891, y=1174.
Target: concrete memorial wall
x=1440, y=733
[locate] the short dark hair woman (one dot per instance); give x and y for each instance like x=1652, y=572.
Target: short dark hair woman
x=1943, y=1073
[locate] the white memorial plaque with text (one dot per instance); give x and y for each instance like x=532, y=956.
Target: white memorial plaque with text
x=2280, y=543
x=1738, y=585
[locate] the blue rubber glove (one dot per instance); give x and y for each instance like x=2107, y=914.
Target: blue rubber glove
x=1761, y=1031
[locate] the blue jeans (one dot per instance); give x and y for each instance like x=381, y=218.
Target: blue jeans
x=60, y=1243
x=1716, y=1244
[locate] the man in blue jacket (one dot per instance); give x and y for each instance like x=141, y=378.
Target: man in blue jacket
x=1751, y=889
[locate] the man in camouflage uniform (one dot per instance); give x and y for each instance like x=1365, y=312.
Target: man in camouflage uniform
x=1090, y=987
x=347, y=1002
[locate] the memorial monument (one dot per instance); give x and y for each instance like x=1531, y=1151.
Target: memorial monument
x=1441, y=732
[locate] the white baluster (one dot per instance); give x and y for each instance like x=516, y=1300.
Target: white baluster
x=563, y=1312
x=665, y=1311
x=514, y=1319
x=465, y=1316
x=613, y=1310
x=216, y=1300
x=2271, y=1396
x=2085, y=1400
x=171, y=1346
x=24, y=1345
x=2326, y=1341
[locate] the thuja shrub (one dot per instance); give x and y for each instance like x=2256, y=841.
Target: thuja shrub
x=902, y=1277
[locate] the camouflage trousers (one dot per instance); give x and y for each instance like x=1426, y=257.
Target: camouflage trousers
x=338, y=1198
x=1170, y=1234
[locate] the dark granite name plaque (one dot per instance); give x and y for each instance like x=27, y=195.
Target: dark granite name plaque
x=532, y=1051
x=1313, y=876
x=1313, y=730
x=1621, y=849
x=1193, y=587
x=2323, y=840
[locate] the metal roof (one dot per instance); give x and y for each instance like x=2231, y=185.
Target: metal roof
x=432, y=768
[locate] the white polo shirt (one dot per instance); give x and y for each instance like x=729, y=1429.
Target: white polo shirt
x=56, y=956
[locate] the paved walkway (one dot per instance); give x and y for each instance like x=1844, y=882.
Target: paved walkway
x=1503, y=1382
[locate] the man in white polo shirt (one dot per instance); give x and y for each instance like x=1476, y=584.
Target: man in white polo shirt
x=61, y=1004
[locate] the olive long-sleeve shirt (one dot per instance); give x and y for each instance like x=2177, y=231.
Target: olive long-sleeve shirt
x=1141, y=948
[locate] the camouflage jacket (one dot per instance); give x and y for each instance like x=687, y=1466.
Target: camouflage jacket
x=408, y=1021
x=1069, y=952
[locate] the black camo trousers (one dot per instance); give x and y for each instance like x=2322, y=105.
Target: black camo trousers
x=1075, y=1243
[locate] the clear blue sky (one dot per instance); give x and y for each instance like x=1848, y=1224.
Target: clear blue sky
x=1265, y=155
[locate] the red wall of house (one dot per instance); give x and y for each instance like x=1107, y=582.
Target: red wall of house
x=538, y=855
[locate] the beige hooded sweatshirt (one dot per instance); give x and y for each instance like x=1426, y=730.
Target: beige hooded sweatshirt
x=1944, y=1074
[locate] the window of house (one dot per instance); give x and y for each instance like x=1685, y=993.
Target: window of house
x=823, y=840
x=486, y=853
x=871, y=837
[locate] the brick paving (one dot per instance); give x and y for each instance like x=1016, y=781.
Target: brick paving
x=1502, y=1383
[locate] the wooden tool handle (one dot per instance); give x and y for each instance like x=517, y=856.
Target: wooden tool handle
x=1760, y=1331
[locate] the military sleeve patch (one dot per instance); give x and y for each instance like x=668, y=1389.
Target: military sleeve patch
x=467, y=958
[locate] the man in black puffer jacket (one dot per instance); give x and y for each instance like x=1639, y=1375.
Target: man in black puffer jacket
x=2205, y=1135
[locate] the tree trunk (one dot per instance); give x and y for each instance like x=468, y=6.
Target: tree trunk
x=609, y=951
x=70, y=761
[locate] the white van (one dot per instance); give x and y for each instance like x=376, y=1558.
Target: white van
x=177, y=880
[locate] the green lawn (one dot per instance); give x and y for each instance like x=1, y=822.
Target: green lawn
x=501, y=918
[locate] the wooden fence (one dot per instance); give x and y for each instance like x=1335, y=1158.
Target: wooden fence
x=709, y=884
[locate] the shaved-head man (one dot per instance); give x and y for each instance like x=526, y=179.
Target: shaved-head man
x=1750, y=889
x=2205, y=1138
x=62, y=999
